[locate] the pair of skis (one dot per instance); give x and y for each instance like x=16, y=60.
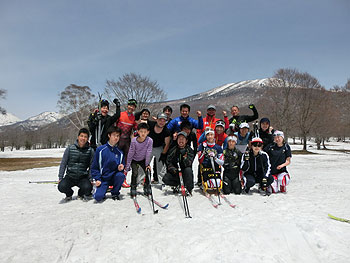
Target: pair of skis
x=215, y=203
x=155, y=202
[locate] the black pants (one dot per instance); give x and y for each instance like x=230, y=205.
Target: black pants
x=253, y=179
x=174, y=179
x=66, y=184
x=231, y=183
x=135, y=172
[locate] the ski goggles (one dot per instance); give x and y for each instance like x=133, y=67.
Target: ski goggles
x=220, y=123
x=257, y=144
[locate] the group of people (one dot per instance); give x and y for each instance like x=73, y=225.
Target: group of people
x=232, y=157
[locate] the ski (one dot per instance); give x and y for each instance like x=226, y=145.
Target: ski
x=339, y=219
x=155, y=201
x=227, y=201
x=43, y=182
x=214, y=203
x=138, y=208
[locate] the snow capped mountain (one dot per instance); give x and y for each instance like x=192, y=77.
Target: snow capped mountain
x=8, y=119
x=229, y=88
x=42, y=119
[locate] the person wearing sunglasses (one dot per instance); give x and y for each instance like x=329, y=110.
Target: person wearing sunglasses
x=280, y=156
x=256, y=167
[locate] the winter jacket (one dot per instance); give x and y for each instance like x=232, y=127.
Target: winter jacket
x=278, y=155
x=106, y=161
x=204, y=151
x=237, y=120
x=174, y=125
x=76, y=161
x=126, y=123
x=258, y=166
x=210, y=121
x=232, y=159
x=106, y=122
x=175, y=155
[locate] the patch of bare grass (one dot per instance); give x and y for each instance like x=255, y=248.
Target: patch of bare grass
x=15, y=164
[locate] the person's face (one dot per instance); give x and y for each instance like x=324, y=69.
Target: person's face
x=243, y=131
x=219, y=129
x=211, y=112
x=168, y=113
x=234, y=111
x=278, y=139
x=181, y=141
x=184, y=112
x=231, y=144
x=188, y=131
x=131, y=108
x=161, y=122
x=82, y=139
x=256, y=147
x=143, y=133
x=210, y=137
x=264, y=126
x=104, y=110
x=114, y=138
x=145, y=115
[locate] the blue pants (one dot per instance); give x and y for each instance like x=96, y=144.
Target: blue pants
x=117, y=181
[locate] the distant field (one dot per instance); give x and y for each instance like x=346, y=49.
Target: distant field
x=14, y=164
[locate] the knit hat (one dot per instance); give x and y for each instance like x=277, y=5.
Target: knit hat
x=220, y=123
x=232, y=138
x=257, y=139
x=104, y=103
x=209, y=131
x=244, y=125
x=132, y=102
x=278, y=133
x=265, y=120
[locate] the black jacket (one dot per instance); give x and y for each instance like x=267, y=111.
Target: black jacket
x=237, y=120
x=258, y=166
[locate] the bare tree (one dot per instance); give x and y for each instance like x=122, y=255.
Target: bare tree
x=140, y=88
x=279, y=94
x=2, y=96
x=75, y=103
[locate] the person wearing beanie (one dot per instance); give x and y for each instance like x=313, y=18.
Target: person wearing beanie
x=232, y=164
x=180, y=156
x=208, y=151
x=266, y=132
x=244, y=136
x=220, y=135
x=104, y=121
x=280, y=157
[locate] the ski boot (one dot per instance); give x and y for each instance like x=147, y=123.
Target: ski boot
x=125, y=184
x=115, y=197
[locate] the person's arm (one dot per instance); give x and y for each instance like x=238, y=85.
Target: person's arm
x=188, y=158
x=167, y=145
x=130, y=155
x=91, y=160
x=267, y=164
x=63, y=164
x=255, y=115
x=171, y=125
x=245, y=164
x=201, y=138
x=96, y=166
x=227, y=123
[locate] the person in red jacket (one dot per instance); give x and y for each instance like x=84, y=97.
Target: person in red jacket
x=127, y=123
x=210, y=120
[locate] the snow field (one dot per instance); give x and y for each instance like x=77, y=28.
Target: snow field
x=291, y=227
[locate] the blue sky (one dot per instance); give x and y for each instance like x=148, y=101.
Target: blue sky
x=187, y=46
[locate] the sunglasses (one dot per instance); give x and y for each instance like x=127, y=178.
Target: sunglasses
x=256, y=144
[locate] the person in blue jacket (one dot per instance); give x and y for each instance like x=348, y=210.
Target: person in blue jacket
x=107, y=168
x=174, y=125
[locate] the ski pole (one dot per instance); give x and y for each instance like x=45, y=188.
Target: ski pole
x=216, y=183
x=148, y=173
x=183, y=192
x=43, y=182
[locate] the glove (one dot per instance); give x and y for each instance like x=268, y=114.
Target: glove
x=211, y=154
x=116, y=102
x=246, y=156
x=251, y=106
x=162, y=158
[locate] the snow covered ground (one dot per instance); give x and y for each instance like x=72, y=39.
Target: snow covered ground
x=291, y=227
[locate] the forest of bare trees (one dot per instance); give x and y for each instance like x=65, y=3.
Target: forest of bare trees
x=295, y=102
